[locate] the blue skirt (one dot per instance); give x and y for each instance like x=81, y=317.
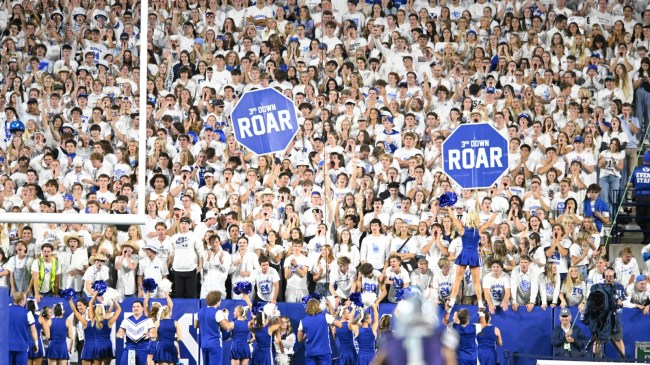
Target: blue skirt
x=103, y=349
x=240, y=350
x=264, y=357
x=153, y=346
x=166, y=352
x=348, y=354
x=88, y=352
x=38, y=354
x=58, y=350
x=487, y=356
x=468, y=258
x=365, y=357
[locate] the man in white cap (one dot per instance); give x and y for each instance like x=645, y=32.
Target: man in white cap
x=151, y=267
x=208, y=223
x=76, y=175
x=97, y=271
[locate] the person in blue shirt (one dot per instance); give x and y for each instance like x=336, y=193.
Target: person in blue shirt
x=467, y=351
x=210, y=321
x=345, y=339
x=168, y=333
x=36, y=357
x=264, y=329
x=595, y=207
x=21, y=326
x=567, y=340
x=314, y=331
x=240, y=351
x=102, y=324
x=640, y=180
x=488, y=340
x=87, y=353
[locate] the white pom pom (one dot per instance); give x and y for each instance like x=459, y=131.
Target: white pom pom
x=499, y=204
x=282, y=359
x=368, y=298
x=165, y=286
x=271, y=310
x=112, y=295
x=323, y=304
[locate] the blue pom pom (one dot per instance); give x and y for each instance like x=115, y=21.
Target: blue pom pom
x=257, y=307
x=399, y=294
x=149, y=285
x=306, y=298
x=448, y=199
x=355, y=298
x=243, y=287
x=68, y=294
x=646, y=256
x=100, y=286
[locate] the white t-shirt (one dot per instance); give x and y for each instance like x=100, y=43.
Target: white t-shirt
x=47, y=273
x=497, y=287
x=374, y=250
x=295, y=281
x=265, y=283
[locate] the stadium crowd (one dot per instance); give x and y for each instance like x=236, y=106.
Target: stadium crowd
x=352, y=204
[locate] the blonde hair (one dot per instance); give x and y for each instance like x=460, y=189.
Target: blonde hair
x=313, y=307
x=99, y=315
x=473, y=220
x=569, y=283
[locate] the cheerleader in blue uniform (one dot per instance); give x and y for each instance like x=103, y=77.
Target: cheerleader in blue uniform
x=103, y=347
x=35, y=358
x=345, y=339
x=136, y=331
x=264, y=333
x=488, y=340
x=466, y=353
x=471, y=235
x=87, y=354
x=167, y=333
x=314, y=330
x=56, y=329
x=154, y=314
x=240, y=350
x=365, y=332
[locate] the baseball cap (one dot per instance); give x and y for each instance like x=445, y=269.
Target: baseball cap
x=349, y=101
x=199, y=41
x=186, y=168
x=186, y=220
x=32, y=101
x=77, y=161
x=565, y=312
x=592, y=67
x=68, y=197
x=640, y=278
x=178, y=205
x=402, y=84
x=490, y=90
x=595, y=54
x=579, y=139
x=124, y=36
x=209, y=215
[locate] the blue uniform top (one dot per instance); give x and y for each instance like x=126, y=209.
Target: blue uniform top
x=641, y=180
x=240, y=332
x=487, y=339
x=58, y=330
x=19, y=326
x=467, y=349
x=316, y=330
x=210, y=331
x=103, y=333
x=366, y=340
x=471, y=239
x=263, y=339
x=166, y=331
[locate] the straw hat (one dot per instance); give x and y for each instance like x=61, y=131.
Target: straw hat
x=98, y=256
x=79, y=239
x=133, y=245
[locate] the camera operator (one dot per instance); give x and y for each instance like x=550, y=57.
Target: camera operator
x=620, y=295
x=567, y=340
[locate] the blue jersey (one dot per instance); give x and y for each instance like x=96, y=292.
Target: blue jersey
x=641, y=180
x=210, y=331
x=316, y=331
x=19, y=327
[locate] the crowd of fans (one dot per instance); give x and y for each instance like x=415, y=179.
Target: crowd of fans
x=353, y=203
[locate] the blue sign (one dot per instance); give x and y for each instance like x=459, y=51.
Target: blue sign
x=264, y=121
x=475, y=156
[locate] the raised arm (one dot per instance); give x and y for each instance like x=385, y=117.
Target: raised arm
x=375, y=319
x=456, y=221
x=76, y=313
x=116, y=314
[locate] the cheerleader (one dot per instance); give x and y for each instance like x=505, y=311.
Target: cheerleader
x=103, y=347
x=314, y=330
x=167, y=332
x=365, y=329
x=56, y=330
x=488, y=340
x=78, y=339
x=136, y=331
x=154, y=314
x=240, y=350
x=210, y=321
x=263, y=331
x=35, y=358
x=87, y=353
x=345, y=339
x=466, y=352
x=470, y=235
